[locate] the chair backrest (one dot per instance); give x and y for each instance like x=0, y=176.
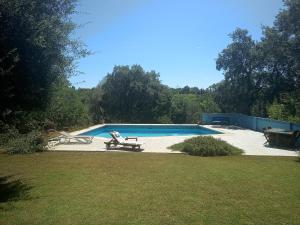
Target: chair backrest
x=65, y=134
x=117, y=137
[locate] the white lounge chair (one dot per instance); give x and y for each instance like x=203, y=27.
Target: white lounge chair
x=65, y=138
x=117, y=139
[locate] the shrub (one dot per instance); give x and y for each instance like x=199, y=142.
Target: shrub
x=206, y=146
x=6, y=134
x=65, y=109
x=27, y=143
x=164, y=120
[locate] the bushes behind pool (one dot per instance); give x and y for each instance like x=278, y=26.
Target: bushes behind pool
x=206, y=146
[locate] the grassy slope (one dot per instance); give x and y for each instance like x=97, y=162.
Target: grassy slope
x=135, y=188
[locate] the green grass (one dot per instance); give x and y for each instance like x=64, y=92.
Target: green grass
x=139, y=188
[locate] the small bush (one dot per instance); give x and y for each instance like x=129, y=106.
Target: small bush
x=7, y=135
x=206, y=146
x=27, y=143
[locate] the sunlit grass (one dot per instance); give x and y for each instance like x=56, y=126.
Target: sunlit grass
x=140, y=188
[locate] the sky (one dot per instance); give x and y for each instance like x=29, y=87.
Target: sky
x=179, y=39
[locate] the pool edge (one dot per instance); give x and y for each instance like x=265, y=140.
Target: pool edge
x=83, y=131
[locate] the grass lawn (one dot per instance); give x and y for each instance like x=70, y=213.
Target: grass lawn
x=139, y=188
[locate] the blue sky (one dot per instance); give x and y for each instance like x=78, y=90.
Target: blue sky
x=180, y=39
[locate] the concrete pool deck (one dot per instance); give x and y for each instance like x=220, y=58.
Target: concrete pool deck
x=250, y=141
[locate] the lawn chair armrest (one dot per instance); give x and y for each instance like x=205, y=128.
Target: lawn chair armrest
x=127, y=138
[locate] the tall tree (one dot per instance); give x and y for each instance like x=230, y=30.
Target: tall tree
x=258, y=74
x=280, y=46
x=36, y=50
x=281, y=49
x=238, y=63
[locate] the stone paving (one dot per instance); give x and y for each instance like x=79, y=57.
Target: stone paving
x=251, y=142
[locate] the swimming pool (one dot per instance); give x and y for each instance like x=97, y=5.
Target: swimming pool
x=150, y=130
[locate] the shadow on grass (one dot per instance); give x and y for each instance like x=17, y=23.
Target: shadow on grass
x=13, y=190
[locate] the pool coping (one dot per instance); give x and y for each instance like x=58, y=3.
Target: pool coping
x=87, y=129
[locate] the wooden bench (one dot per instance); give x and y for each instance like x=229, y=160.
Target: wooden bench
x=220, y=120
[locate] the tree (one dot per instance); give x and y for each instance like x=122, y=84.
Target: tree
x=238, y=63
x=36, y=50
x=95, y=107
x=66, y=109
x=208, y=103
x=276, y=111
x=259, y=74
x=287, y=109
x=187, y=108
x=280, y=70
x=280, y=46
x=129, y=94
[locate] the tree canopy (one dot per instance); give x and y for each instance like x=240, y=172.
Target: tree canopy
x=129, y=94
x=259, y=74
x=36, y=50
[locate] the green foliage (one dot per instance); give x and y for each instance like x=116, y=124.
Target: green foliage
x=188, y=90
x=66, y=108
x=257, y=74
x=7, y=133
x=208, y=103
x=36, y=50
x=276, y=111
x=235, y=94
x=187, y=108
x=164, y=120
x=129, y=94
x=206, y=146
x=288, y=109
x=26, y=143
x=95, y=107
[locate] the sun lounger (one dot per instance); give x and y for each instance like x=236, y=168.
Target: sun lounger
x=117, y=139
x=65, y=138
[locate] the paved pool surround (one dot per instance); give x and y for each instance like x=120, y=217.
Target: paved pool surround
x=250, y=141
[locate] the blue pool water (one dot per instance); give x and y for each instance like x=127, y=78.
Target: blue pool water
x=150, y=130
